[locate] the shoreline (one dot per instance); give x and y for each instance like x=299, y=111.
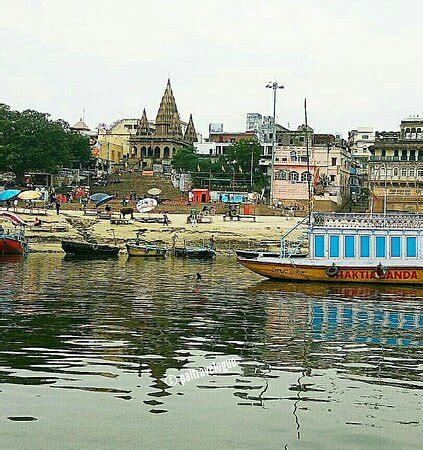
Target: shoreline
x=265, y=232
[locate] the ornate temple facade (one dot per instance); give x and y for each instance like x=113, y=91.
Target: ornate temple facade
x=155, y=145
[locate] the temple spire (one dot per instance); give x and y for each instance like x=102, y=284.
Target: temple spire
x=165, y=119
x=190, y=133
x=144, y=126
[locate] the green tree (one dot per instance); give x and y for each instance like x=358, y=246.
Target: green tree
x=30, y=140
x=185, y=160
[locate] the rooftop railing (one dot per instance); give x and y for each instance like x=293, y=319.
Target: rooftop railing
x=368, y=220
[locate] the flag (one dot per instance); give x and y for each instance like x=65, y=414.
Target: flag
x=223, y=169
x=375, y=198
x=240, y=169
x=316, y=177
x=198, y=167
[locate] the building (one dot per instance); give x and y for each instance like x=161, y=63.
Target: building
x=396, y=168
x=329, y=172
x=153, y=147
x=359, y=141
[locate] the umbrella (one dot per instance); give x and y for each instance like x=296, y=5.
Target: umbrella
x=100, y=199
x=154, y=191
x=30, y=195
x=146, y=205
x=8, y=194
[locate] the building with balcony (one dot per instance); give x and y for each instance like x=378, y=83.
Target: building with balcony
x=396, y=168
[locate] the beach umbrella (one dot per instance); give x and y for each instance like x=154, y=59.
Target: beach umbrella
x=8, y=194
x=100, y=199
x=30, y=195
x=146, y=205
x=154, y=191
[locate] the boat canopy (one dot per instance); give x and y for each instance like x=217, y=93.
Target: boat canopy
x=12, y=217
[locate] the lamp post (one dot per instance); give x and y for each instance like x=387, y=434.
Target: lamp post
x=275, y=86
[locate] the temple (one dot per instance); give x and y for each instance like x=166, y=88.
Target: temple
x=156, y=144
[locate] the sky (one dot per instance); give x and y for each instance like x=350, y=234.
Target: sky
x=358, y=63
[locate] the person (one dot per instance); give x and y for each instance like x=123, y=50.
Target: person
x=37, y=222
x=212, y=243
x=166, y=220
x=108, y=209
x=15, y=204
x=57, y=207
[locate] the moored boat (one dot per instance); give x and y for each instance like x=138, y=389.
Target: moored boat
x=89, y=250
x=12, y=241
x=146, y=250
x=195, y=252
x=360, y=248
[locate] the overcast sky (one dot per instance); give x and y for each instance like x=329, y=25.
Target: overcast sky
x=359, y=63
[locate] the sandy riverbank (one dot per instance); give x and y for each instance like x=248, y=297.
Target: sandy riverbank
x=227, y=235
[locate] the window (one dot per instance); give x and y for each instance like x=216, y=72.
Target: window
x=319, y=246
x=293, y=156
x=412, y=155
x=403, y=172
x=332, y=178
x=380, y=247
x=412, y=173
x=396, y=153
x=293, y=176
x=334, y=246
x=334, y=161
x=411, y=247
x=280, y=175
x=395, y=172
x=395, y=246
x=364, y=246
x=349, y=246
x=383, y=152
x=305, y=176
x=365, y=136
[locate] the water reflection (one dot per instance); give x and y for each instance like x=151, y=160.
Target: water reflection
x=120, y=327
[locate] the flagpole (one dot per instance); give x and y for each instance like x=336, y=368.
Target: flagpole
x=308, y=163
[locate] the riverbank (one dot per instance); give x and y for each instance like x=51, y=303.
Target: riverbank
x=265, y=232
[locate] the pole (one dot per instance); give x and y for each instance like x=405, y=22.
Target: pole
x=385, y=197
x=252, y=168
x=308, y=163
x=272, y=175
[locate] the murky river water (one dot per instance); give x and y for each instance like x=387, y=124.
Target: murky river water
x=89, y=350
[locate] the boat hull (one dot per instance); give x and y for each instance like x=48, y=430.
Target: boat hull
x=87, y=250
x=286, y=270
x=194, y=252
x=146, y=251
x=10, y=246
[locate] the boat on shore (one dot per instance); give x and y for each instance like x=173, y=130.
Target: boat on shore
x=12, y=240
x=89, y=250
x=146, y=250
x=353, y=248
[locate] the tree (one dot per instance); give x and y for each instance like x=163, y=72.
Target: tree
x=185, y=160
x=30, y=140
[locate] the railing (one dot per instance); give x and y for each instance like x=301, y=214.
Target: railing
x=297, y=244
x=367, y=220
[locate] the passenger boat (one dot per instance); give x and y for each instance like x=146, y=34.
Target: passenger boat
x=146, y=250
x=354, y=248
x=194, y=252
x=89, y=250
x=12, y=240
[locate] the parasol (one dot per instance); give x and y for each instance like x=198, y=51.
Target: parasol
x=146, y=205
x=8, y=194
x=30, y=195
x=154, y=191
x=100, y=198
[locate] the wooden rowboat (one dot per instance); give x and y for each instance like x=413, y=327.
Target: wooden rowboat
x=89, y=250
x=146, y=250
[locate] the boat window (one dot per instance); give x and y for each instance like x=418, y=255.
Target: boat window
x=395, y=246
x=365, y=246
x=334, y=246
x=380, y=247
x=349, y=244
x=319, y=245
x=411, y=247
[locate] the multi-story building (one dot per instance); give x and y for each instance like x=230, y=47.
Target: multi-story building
x=396, y=168
x=328, y=171
x=359, y=141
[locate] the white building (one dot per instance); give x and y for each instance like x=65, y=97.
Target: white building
x=359, y=141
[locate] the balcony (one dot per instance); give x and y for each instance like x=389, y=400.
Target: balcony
x=374, y=158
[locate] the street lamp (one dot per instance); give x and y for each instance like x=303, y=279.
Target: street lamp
x=275, y=86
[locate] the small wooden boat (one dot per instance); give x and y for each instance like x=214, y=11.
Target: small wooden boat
x=195, y=252
x=13, y=241
x=89, y=250
x=353, y=248
x=146, y=250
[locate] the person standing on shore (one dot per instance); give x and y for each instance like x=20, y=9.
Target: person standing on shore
x=57, y=207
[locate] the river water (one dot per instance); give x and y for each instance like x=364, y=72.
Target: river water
x=89, y=352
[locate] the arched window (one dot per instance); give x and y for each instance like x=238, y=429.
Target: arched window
x=150, y=152
x=166, y=152
x=143, y=151
x=419, y=133
x=293, y=176
x=305, y=176
x=134, y=151
x=412, y=173
x=157, y=152
x=293, y=155
x=413, y=133
x=403, y=172
x=395, y=171
x=407, y=133
x=280, y=175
